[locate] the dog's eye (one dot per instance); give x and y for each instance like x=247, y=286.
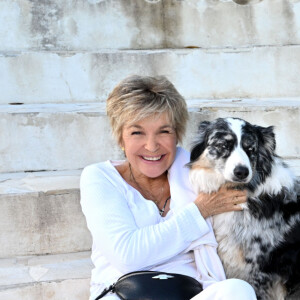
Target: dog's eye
x=222, y=146
x=250, y=149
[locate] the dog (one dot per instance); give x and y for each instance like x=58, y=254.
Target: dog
x=261, y=243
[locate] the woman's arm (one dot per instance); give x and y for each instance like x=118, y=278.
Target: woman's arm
x=116, y=235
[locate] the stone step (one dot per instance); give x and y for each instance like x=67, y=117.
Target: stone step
x=134, y=24
x=40, y=137
x=55, y=277
x=40, y=213
x=70, y=76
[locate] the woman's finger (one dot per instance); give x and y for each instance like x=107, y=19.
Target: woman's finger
x=240, y=199
x=238, y=207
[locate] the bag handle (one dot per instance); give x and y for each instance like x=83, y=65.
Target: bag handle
x=106, y=291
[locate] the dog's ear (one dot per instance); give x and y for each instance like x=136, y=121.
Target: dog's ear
x=196, y=151
x=199, y=144
x=266, y=150
x=267, y=138
x=202, y=129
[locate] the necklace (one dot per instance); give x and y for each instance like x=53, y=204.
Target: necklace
x=161, y=211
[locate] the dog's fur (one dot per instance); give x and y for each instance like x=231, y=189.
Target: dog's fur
x=260, y=244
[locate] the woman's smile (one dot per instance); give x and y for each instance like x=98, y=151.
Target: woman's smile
x=153, y=158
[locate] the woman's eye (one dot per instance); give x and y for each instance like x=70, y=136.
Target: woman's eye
x=136, y=133
x=165, y=131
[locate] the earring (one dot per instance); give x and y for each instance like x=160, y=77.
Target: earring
x=122, y=148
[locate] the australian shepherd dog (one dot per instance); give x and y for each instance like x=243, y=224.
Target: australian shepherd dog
x=261, y=243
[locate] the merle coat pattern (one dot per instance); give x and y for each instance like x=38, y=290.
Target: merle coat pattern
x=260, y=244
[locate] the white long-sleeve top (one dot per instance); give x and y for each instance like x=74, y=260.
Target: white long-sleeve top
x=128, y=232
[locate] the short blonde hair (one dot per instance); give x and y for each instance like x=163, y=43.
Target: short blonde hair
x=138, y=97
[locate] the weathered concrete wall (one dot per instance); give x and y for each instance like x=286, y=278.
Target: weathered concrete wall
x=76, y=68
x=258, y=72
x=75, y=51
x=30, y=25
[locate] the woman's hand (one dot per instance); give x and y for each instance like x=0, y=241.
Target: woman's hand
x=224, y=200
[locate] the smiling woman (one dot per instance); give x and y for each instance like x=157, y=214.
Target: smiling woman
x=142, y=211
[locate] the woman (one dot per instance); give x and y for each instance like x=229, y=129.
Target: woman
x=142, y=212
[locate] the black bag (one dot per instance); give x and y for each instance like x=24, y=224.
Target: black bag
x=151, y=285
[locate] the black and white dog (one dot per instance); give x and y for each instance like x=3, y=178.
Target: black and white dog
x=260, y=244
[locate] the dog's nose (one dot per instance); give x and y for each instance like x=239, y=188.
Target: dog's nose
x=241, y=172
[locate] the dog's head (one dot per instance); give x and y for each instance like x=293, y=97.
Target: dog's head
x=231, y=151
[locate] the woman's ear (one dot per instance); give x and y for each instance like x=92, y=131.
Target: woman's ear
x=122, y=147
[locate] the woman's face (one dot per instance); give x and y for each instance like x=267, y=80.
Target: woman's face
x=150, y=145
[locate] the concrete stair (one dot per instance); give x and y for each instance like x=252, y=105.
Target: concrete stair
x=50, y=220
x=58, y=277
x=58, y=62
x=45, y=242
x=75, y=77
x=71, y=136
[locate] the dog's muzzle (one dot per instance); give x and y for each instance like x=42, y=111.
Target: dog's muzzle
x=241, y=173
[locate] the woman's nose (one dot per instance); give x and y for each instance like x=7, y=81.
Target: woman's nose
x=152, y=144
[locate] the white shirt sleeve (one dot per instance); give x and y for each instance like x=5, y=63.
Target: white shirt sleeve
x=116, y=235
